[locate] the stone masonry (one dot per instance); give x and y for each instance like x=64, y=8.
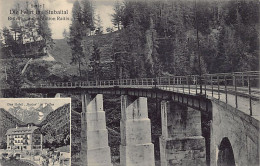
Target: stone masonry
x=94, y=136
x=181, y=142
x=136, y=148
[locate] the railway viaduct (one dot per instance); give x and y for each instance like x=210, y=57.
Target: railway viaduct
x=228, y=102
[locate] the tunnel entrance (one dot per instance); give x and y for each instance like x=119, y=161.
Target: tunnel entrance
x=225, y=154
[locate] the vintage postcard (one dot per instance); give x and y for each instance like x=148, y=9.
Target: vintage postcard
x=151, y=82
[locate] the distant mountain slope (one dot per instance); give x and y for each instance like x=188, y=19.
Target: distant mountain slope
x=31, y=114
x=7, y=121
x=56, y=126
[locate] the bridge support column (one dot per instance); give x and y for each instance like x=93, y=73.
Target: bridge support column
x=57, y=95
x=94, y=136
x=181, y=142
x=136, y=148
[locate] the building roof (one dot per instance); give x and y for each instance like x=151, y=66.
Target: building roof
x=21, y=130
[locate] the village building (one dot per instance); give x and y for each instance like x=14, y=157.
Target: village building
x=24, y=138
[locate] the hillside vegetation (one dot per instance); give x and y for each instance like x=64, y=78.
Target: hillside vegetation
x=7, y=121
x=154, y=38
x=56, y=127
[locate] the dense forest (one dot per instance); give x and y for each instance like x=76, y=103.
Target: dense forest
x=56, y=127
x=168, y=36
x=172, y=37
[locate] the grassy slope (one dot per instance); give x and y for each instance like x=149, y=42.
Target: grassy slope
x=61, y=51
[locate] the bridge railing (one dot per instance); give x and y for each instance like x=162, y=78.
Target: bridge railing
x=214, y=85
x=244, y=84
x=237, y=83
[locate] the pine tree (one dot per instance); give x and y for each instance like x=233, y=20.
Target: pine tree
x=75, y=37
x=95, y=61
x=87, y=17
x=121, y=55
x=65, y=34
x=43, y=27
x=99, y=27
x=118, y=14
x=14, y=79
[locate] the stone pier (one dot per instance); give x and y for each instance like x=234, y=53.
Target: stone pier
x=94, y=136
x=136, y=148
x=181, y=142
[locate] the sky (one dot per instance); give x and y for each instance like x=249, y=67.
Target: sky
x=102, y=7
x=24, y=103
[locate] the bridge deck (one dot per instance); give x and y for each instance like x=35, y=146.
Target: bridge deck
x=243, y=102
x=239, y=98
x=239, y=89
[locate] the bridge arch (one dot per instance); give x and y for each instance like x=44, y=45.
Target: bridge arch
x=233, y=129
x=225, y=153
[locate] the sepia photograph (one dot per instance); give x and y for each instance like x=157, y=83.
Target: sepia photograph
x=129, y=83
x=35, y=131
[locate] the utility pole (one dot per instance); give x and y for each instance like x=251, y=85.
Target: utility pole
x=198, y=46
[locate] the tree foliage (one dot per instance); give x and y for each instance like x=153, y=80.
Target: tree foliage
x=31, y=33
x=117, y=17
x=27, y=37
x=87, y=15
x=95, y=61
x=76, y=36
x=164, y=33
x=99, y=27
x=83, y=24
x=14, y=79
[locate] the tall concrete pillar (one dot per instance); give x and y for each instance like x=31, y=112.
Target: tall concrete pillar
x=57, y=95
x=181, y=142
x=136, y=148
x=94, y=135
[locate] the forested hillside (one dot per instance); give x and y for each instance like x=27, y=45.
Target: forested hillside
x=56, y=127
x=7, y=121
x=153, y=38
x=168, y=36
x=156, y=38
